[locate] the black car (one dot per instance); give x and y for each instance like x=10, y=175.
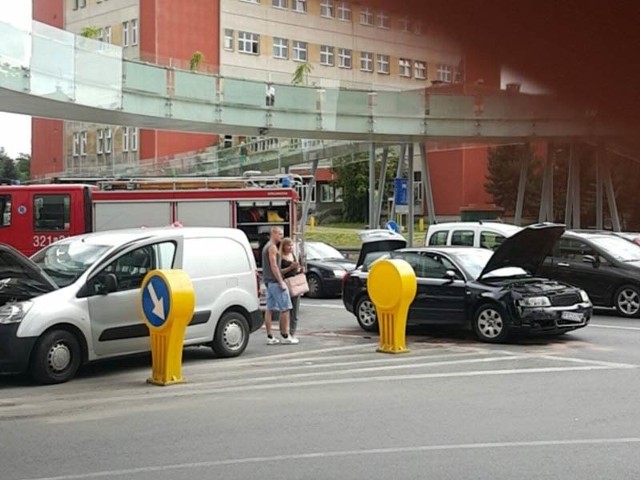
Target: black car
x=325, y=267
x=604, y=264
x=490, y=292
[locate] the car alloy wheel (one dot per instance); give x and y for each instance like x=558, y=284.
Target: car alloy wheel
x=489, y=324
x=366, y=315
x=315, y=286
x=628, y=301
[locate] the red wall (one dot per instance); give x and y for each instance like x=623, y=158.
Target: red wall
x=47, y=135
x=182, y=25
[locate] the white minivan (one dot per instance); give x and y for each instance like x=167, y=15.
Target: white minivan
x=482, y=234
x=78, y=300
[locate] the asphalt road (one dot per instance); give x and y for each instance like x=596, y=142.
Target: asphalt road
x=333, y=408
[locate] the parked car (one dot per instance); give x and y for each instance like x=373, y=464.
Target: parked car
x=325, y=267
x=78, y=299
x=484, y=234
x=493, y=293
x=631, y=236
x=604, y=264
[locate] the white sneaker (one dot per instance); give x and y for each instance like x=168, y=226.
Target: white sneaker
x=272, y=341
x=289, y=340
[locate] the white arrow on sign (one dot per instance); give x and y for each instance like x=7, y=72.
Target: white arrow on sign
x=158, y=305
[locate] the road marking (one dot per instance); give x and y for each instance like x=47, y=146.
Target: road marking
x=323, y=305
x=126, y=472
x=614, y=327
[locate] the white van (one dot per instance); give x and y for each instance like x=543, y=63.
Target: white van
x=469, y=234
x=78, y=299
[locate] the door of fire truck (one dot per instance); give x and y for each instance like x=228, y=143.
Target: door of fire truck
x=33, y=216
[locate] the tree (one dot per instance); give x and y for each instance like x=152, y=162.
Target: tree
x=196, y=60
x=90, y=32
x=23, y=167
x=503, y=176
x=301, y=74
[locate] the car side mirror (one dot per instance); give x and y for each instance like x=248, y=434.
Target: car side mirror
x=450, y=275
x=592, y=259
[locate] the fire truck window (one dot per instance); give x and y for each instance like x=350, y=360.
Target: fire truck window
x=5, y=210
x=51, y=212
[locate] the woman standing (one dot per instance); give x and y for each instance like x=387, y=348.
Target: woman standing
x=289, y=266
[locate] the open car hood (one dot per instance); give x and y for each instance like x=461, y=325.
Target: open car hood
x=379, y=240
x=20, y=278
x=526, y=249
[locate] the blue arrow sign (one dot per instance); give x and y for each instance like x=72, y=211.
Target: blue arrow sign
x=156, y=301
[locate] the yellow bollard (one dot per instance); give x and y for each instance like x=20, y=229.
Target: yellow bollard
x=392, y=286
x=167, y=305
x=312, y=222
x=421, y=225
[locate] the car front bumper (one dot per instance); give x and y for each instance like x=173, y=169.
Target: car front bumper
x=553, y=319
x=14, y=351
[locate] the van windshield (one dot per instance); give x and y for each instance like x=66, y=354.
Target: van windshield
x=64, y=262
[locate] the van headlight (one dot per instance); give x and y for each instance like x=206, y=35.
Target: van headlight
x=535, y=302
x=584, y=296
x=14, y=312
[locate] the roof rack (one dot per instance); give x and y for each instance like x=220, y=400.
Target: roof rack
x=248, y=180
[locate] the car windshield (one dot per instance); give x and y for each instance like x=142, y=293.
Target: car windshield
x=65, y=262
x=321, y=251
x=619, y=248
x=474, y=261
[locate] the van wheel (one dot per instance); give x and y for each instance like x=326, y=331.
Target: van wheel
x=56, y=357
x=628, y=301
x=231, y=336
x=366, y=314
x=490, y=325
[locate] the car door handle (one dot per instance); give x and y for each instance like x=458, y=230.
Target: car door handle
x=563, y=264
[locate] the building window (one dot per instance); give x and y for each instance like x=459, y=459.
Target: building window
x=108, y=137
x=383, y=64
x=125, y=34
x=251, y=1
x=383, y=20
x=279, y=3
x=75, y=147
x=280, y=48
x=405, y=67
x=83, y=3
x=100, y=141
x=299, y=51
x=83, y=143
x=417, y=28
x=344, y=58
x=366, y=61
x=420, y=70
x=249, y=43
x=344, y=11
x=326, y=8
x=405, y=24
x=444, y=73
x=300, y=6
x=125, y=139
x=106, y=34
x=326, y=193
x=228, y=39
x=134, y=32
x=133, y=134
x=327, y=55
x=76, y=4
x=366, y=16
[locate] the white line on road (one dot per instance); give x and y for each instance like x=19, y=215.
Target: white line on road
x=323, y=305
x=614, y=327
x=344, y=453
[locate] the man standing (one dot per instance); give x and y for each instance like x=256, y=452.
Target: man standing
x=278, y=299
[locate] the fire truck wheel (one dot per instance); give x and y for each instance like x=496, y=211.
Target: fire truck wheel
x=231, y=336
x=56, y=357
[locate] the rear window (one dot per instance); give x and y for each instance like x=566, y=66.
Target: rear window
x=439, y=238
x=462, y=237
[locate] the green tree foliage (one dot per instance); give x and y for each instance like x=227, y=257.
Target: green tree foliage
x=90, y=32
x=503, y=174
x=23, y=166
x=301, y=74
x=17, y=169
x=352, y=175
x=196, y=60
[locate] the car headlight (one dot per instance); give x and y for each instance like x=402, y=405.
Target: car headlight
x=535, y=302
x=584, y=296
x=339, y=273
x=14, y=312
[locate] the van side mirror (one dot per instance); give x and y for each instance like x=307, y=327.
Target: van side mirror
x=592, y=259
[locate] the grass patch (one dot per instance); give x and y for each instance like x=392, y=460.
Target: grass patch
x=346, y=235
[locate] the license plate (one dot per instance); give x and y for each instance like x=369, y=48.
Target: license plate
x=572, y=316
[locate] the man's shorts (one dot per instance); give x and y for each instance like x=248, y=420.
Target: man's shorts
x=278, y=300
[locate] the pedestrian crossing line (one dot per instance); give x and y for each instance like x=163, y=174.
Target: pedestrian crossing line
x=572, y=359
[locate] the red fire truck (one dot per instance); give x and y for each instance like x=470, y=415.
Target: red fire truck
x=32, y=216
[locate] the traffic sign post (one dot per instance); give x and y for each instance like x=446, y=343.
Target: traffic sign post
x=167, y=302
